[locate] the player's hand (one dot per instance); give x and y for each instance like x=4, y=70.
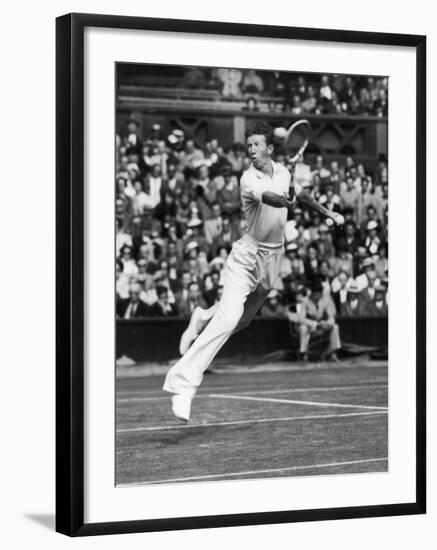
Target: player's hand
x=336, y=219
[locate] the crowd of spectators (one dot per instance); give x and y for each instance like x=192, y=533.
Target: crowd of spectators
x=178, y=211
x=299, y=94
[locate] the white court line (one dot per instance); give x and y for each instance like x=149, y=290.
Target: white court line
x=255, y=472
x=239, y=422
x=250, y=392
x=295, y=402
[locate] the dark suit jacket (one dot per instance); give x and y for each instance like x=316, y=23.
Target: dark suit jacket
x=155, y=310
x=347, y=311
x=142, y=309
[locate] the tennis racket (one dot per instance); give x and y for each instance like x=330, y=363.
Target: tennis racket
x=298, y=135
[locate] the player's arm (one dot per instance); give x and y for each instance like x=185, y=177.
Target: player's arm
x=308, y=200
x=258, y=192
x=275, y=200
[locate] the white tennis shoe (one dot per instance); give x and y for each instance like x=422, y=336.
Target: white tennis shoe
x=192, y=331
x=181, y=406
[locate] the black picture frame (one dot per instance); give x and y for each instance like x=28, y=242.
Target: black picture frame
x=70, y=273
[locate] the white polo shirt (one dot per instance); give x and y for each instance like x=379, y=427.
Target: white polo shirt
x=265, y=223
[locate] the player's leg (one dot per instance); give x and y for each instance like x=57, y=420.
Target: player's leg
x=240, y=279
x=269, y=262
x=198, y=321
x=251, y=307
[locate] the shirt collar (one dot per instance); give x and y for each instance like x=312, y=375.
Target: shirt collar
x=259, y=174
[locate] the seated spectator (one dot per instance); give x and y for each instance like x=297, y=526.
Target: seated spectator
x=368, y=273
x=194, y=300
x=182, y=292
x=314, y=318
x=162, y=307
x=192, y=157
x=329, y=199
x=272, y=307
x=381, y=200
x=214, y=225
x=321, y=170
x=379, y=304
x=291, y=264
x=146, y=253
x=228, y=235
x=132, y=307
x=354, y=305
x=121, y=237
x=324, y=275
x=133, y=140
x=251, y=104
x=325, y=248
x=252, y=83
x=348, y=241
x=381, y=262
x=310, y=102
x=194, y=78
x=350, y=197
x=230, y=80
x=368, y=293
x=195, y=234
x=236, y=157
x=296, y=107
x=372, y=241
x=121, y=281
x=340, y=286
x=211, y=290
x=126, y=258
x=174, y=182
x=325, y=89
x=229, y=195
x=311, y=263
x=343, y=262
x=372, y=216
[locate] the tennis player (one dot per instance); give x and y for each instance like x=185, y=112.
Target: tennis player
x=267, y=192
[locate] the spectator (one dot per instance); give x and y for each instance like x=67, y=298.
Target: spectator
x=252, y=83
x=368, y=271
x=126, y=258
x=350, y=197
x=372, y=241
x=162, y=307
x=314, y=318
x=325, y=248
x=354, y=305
x=309, y=103
x=194, y=78
x=251, y=104
x=272, y=307
x=132, y=307
x=178, y=205
x=368, y=293
x=194, y=300
x=230, y=80
x=340, y=287
x=379, y=304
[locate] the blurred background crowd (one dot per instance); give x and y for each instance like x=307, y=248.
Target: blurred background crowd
x=264, y=91
x=178, y=207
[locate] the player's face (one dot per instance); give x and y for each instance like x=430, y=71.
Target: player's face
x=259, y=151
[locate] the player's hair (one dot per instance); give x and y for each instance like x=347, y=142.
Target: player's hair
x=261, y=129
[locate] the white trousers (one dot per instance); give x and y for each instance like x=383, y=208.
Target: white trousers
x=250, y=272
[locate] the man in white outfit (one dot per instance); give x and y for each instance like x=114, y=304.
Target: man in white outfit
x=267, y=192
